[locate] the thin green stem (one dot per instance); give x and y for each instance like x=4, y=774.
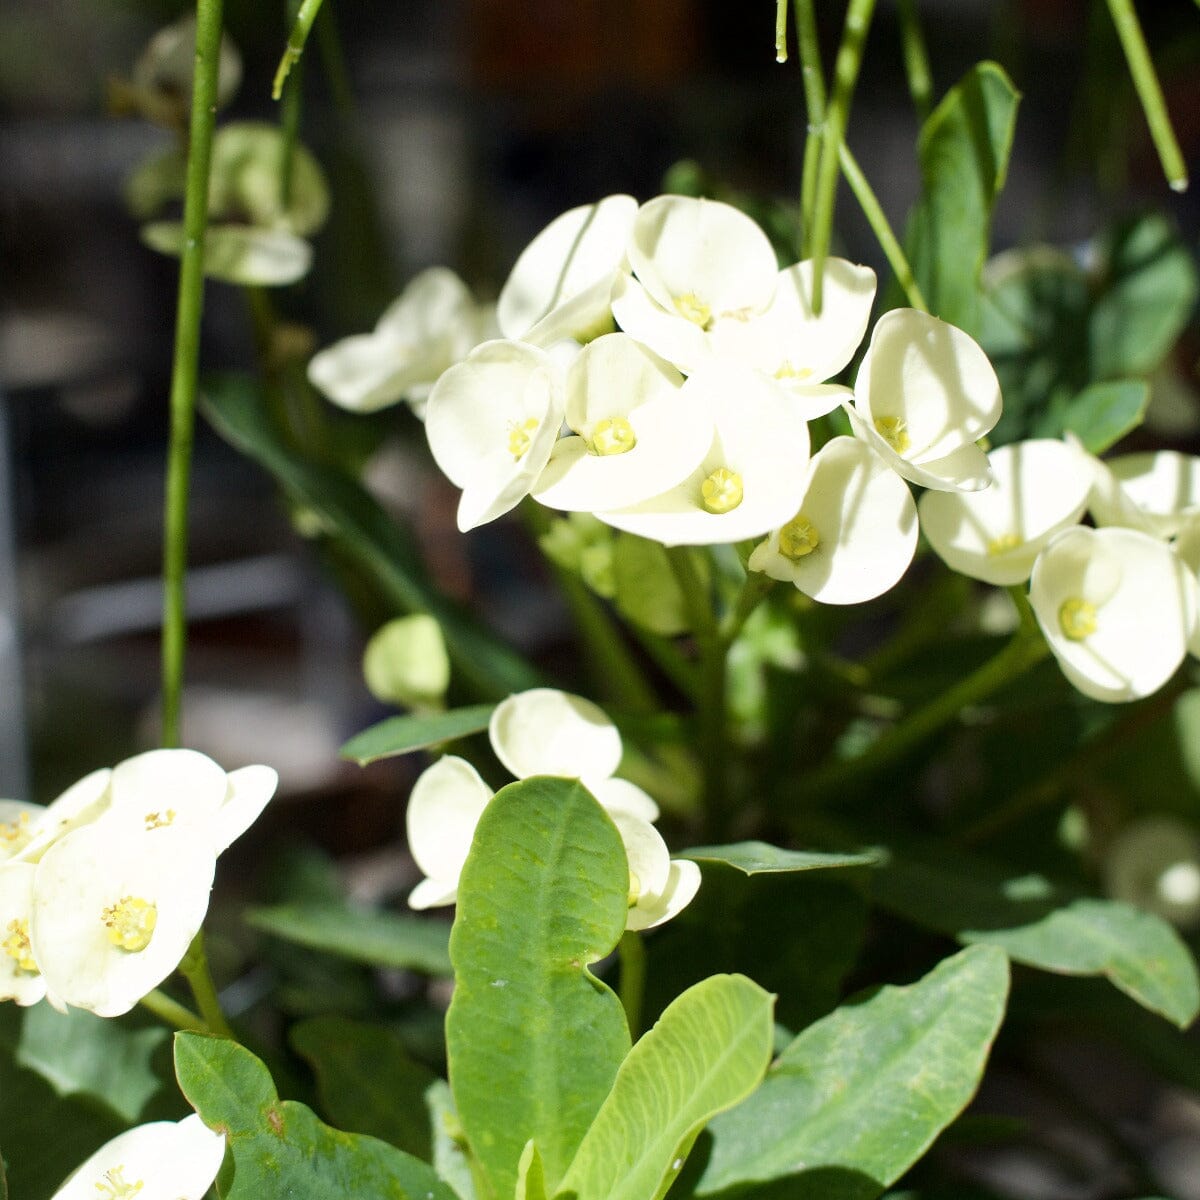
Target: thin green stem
x=814, y=104
x=190, y=306
x=666, y=656
x=916, y=59
x=1149, y=91
x=845, y=76
x=781, y=19
x=289, y=124
x=295, y=44
x=172, y=1013
x=756, y=587
x=887, y=240
x=194, y=968
x=333, y=63
x=632, y=986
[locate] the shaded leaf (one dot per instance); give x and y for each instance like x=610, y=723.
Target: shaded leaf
x=756, y=858
x=531, y=1175
x=415, y=731
x=647, y=592
x=533, y=1038
x=858, y=1097
x=279, y=1147
x=381, y=939
x=1100, y=415
x=708, y=1050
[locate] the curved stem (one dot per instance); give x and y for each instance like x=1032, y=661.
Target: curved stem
x=171, y=1012
x=632, y=986
x=781, y=19
x=916, y=59
x=186, y=363
x=295, y=44
x=756, y=587
x=814, y=104
x=289, y=121
x=194, y=968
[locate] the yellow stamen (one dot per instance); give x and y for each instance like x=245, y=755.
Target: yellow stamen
x=613, y=435
x=798, y=538
x=130, y=922
x=17, y=947
x=158, y=820
x=721, y=492
x=894, y=431
x=694, y=309
x=1003, y=544
x=1077, y=618
x=519, y=437
x=788, y=371
x=635, y=890
x=112, y=1185
x=15, y=832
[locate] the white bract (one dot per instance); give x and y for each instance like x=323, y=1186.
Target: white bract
x=853, y=534
x=659, y=887
x=1038, y=488
x=634, y=430
x=433, y=324
x=1156, y=493
x=492, y=421
x=561, y=283
x=752, y=475
x=20, y=978
x=1117, y=608
x=82, y=802
x=924, y=395
x=696, y=264
x=547, y=732
x=164, y=1160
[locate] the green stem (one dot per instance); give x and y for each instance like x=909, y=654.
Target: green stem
x=916, y=59
x=333, y=64
x=295, y=44
x=814, y=104
x=632, y=987
x=755, y=589
x=887, y=240
x=289, y=124
x=666, y=656
x=845, y=76
x=171, y=1012
x=1149, y=91
x=189, y=308
x=194, y=968
x=781, y=15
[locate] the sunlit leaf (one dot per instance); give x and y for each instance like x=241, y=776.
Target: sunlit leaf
x=415, y=731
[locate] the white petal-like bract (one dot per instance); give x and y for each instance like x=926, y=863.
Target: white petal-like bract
x=547, y=732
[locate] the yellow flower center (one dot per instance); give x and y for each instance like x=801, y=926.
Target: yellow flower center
x=798, y=538
x=1077, y=618
x=721, y=492
x=519, y=437
x=17, y=947
x=156, y=820
x=14, y=834
x=130, y=922
x=894, y=431
x=113, y=1186
x=1003, y=544
x=635, y=890
x=694, y=309
x=613, y=435
x=788, y=371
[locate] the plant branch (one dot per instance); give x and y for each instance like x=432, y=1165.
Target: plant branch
x=171, y=1012
x=295, y=44
x=916, y=59
x=194, y=968
x=814, y=104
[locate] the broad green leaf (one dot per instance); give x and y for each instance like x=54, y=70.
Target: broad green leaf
x=382, y=939
x=647, y=592
x=858, y=1097
x=1036, y=925
x=1101, y=415
x=531, y=1175
x=415, y=731
x=279, y=1147
x=708, y=1051
x=963, y=153
x=366, y=1080
x=367, y=535
x=757, y=858
x=533, y=1039
x=84, y=1054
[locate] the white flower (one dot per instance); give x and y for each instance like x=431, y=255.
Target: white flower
x=115, y=909
x=492, y=421
x=924, y=395
x=854, y=531
x=547, y=732
x=433, y=324
x=20, y=979
x=635, y=432
x=1117, y=609
x=242, y=254
x=659, y=887
x=1038, y=488
x=164, y=1160
x=560, y=285
x=1156, y=492
x=752, y=476
x=83, y=802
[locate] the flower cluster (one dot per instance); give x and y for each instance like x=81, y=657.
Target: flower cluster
x=102, y=891
x=545, y=732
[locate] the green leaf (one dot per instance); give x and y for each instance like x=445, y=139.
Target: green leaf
x=84, y=1054
x=963, y=152
x=758, y=858
x=708, y=1051
x=647, y=592
x=366, y=534
x=1039, y=926
x=858, y=1097
x=367, y=1081
x=531, y=1175
x=533, y=1039
x=381, y=939
x=415, y=731
x=1100, y=415
x=279, y=1147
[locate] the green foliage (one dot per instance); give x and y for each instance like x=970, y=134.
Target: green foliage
x=708, y=1051
x=416, y=731
x=757, y=858
x=963, y=152
x=859, y=1096
x=533, y=1039
x=647, y=592
x=1042, y=927
x=1103, y=413
x=381, y=939
x=279, y=1147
